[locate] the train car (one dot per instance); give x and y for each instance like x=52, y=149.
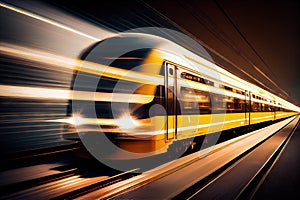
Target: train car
x=157, y=94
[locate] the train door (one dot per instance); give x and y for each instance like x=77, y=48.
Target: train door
x=171, y=102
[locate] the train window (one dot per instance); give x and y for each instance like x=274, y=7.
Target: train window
x=227, y=88
x=263, y=107
x=248, y=106
x=171, y=71
x=106, y=84
x=230, y=104
x=128, y=60
x=192, y=77
x=268, y=108
x=219, y=103
x=160, y=95
x=208, y=82
x=255, y=107
x=199, y=79
x=170, y=100
x=260, y=107
x=272, y=108
x=194, y=101
x=239, y=105
x=235, y=105
x=222, y=103
x=238, y=91
x=221, y=86
x=277, y=108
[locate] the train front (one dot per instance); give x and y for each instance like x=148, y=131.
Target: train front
x=117, y=109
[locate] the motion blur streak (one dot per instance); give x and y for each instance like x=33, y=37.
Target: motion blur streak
x=33, y=92
x=49, y=21
x=36, y=55
x=262, y=73
x=123, y=74
x=79, y=121
x=50, y=93
x=207, y=64
x=253, y=78
x=70, y=63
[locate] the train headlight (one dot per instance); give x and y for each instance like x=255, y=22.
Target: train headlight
x=77, y=120
x=127, y=122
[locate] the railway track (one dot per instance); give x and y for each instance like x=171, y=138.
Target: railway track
x=242, y=177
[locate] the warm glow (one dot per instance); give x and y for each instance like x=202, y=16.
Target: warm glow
x=50, y=93
x=78, y=120
x=127, y=122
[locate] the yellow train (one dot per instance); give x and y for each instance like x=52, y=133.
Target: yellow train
x=144, y=93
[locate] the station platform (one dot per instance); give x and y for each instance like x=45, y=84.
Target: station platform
x=283, y=181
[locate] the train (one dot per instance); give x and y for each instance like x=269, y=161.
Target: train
x=145, y=93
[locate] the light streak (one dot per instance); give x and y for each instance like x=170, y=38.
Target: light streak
x=85, y=66
x=101, y=121
x=229, y=78
x=262, y=73
x=38, y=56
x=50, y=93
x=33, y=92
x=49, y=21
x=236, y=81
x=77, y=120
